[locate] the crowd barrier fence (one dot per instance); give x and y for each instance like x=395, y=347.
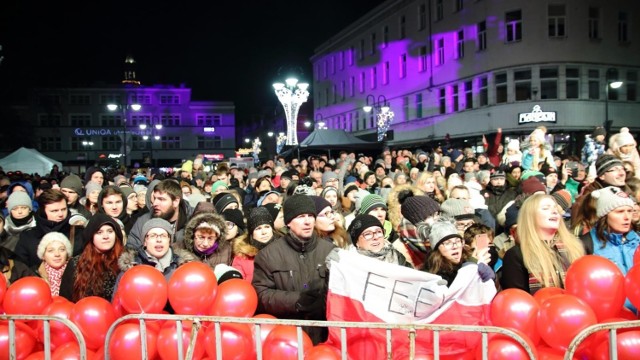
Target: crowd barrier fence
x=610, y=327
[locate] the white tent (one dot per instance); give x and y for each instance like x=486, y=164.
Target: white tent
x=28, y=161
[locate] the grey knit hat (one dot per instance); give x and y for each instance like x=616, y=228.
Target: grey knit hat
x=72, y=182
x=609, y=199
x=327, y=176
x=458, y=209
x=154, y=223
x=51, y=237
x=91, y=187
x=442, y=230
x=19, y=198
x=606, y=162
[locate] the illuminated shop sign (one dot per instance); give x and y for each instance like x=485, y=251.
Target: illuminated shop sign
x=536, y=116
x=214, y=157
x=107, y=132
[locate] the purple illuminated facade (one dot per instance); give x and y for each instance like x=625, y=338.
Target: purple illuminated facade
x=468, y=67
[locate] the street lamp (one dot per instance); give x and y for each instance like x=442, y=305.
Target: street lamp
x=291, y=95
x=145, y=137
x=382, y=110
x=86, y=144
x=613, y=83
x=124, y=108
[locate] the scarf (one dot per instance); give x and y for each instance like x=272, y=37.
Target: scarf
x=23, y=221
x=386, y=254
x=259, y=245
x=55, y=278
x=163, y=262
x=13, y=228
x=207, y=252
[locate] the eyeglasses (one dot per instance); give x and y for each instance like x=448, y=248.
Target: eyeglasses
x=328, y=214
x=201, y=240
x=163, y=236
x=450, y=244
x=370, y=235
x=230, y=224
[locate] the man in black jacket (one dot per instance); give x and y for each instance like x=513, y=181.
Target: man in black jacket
x=290, y=275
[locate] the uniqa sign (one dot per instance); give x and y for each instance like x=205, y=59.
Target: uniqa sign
x=105, y=132
x=537, y=115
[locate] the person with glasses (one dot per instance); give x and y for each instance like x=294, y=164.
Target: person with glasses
x=234, y=220
x=204, y=238
x=449, y=252
x=328, y=223
x=367, y=236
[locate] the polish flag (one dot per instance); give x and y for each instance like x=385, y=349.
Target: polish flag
x=363, y=289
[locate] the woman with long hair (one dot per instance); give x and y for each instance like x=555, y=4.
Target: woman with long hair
x=427, y=183
x=328, y=225
x=537, y=154
x=94, y=271
x=545, y=247
x=90, y=201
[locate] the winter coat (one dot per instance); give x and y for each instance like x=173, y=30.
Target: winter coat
x=496, y=200
x=591, y=151
x=29, y=188
x=286, y=268
x=134, y=238
x=70, y=274
x=13, y=232
x=243, y=257
x=224, y=252
x=615, y=249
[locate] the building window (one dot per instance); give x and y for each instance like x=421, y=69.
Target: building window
x=440, y=51
x=442, y=101
x=458, y=5
x=111, y=120
x=136, y=120
x=76, y=143
x=522, y=80
x=374, y=77
x=77, y=99
x=363, y=80
x=50, y=120
x=334, y=94
x=170, y=142
x=361, y=50
x=513, y=24
x=352, y=86
x=169, y=100
x=623, y=27
x=403, y=66
x=50, y=143
x=170, y=119
x=556, y=20
x=403, y=27
x=326, y=96
x=594, y=84
x=385, y=36
x=456, y=98
x=573, y=82
x=140, y=99
x=357, y=121
x=549, y=83
x=385, y=73
x=483, y=93
x=419, y=106
x=112, y=143
x=332, y=64
x=110, y=99
x=468, y=94
x=352, y=51
x=422, y=17
x=209, y=142
x=325, y=69
x=632, y=86
x=439, y=10
x=405, y=108
x=316, y=70
x=209, y=120
x=343, y=90
x=501, y=88
x=460, y=44
x=341, y=60
x=482, y=35
x=80, y=119
x=373, y=44
x=422, y=58
x=594, y=23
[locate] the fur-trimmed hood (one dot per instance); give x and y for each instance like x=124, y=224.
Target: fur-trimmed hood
x=132, y=257
x=210, y=218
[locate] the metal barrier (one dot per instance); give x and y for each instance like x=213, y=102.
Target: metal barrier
x=47, y=332
x=611, y=327
x=197, y=322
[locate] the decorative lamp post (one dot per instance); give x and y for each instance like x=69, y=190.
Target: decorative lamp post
x=613, y=83
x=156, y=127
x=124, y=108
x=383, y=113
x=87, y=144
x=291, y=95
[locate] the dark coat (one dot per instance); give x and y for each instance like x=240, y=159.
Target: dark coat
x=69, y=276
x=496, y=200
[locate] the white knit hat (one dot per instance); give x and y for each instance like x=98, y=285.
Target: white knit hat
x=50, y=238
x=624, y=138
x=514, y=144
x=609, y=199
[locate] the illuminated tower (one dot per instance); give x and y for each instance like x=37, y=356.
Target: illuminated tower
x=130, y=71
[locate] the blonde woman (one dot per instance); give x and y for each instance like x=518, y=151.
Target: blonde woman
x=427, y=183
x=538, y=152
x=545, y=250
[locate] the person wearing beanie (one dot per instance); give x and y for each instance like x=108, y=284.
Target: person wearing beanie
x=532, y=186
x=98, y=262
x=20, y=218
x=204, y=238
x=375, y=205
x=538, y=152
x=218, y=187
x=301, y=254
x=449, y=253
x=330, y=178
x=224, y=201
x=260, y=233
x=418, y=209
x=225, y=272
x=545, y=247
x=625, y=147
x=234, y=220
x=55, y=251
x=563, y=198
x=270, y=197
x=497, y=194
x=94, y=174
x=71, y=186
x=90, y=200
x=367, y=237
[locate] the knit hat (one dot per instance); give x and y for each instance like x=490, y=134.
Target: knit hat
x=497, y=174
x=349, y=188
x=126, y=190
x=328, y=189
x=218, y=184
x=19, y=198
x=563, y=198
x=360, y=223
x=441, y=230
x=514, y=144
x=236, y=217
x=73, y=182
x=263, y=197
x=258, y=216
x=549, y=170
x=328, y=176
x=274, y=209
x=154, y=223
x=606, y=162
x=187, y=166
x=140, y=179
x=287, y=175
x=371, y=202
x=91, y=187
x=51, y=237
x=252, y=175
x=610, y=198
x=320, y=203
x=458, y=209
x=598, y=131
x=222, y=200
x=119, y=180
x=297, y=205
x=532, y=185
x=625, y=138
x=510, y=217
x=195, y=198
x=225, y=272
x=417, y=208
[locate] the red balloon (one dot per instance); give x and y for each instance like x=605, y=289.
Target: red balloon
x=167, y=344
x=599, y=282
x=282, y=343
x=93, y=315
x=561, y=318
x=3, y=288
x=60, y=334
x=636, y=256
x=547, y=353
x=323, y=352
x=125, y=344
x=632, y=285
x=237, y=341
x=27, y=296
x=627, y=314
x=192, y=289
x=38, y=355
x=235, y=297
x=506, y=348
x=545, y=293
x=70, y=351
x=265, y=329
x=25, y=341
x=517, y=309
x=143, y=289
x=627, y=344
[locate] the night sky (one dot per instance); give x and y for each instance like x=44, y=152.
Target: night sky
x=223, y=52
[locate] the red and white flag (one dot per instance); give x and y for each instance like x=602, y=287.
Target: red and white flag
x=366, y=289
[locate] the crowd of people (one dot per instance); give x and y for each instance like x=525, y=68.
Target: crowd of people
x=517, y=210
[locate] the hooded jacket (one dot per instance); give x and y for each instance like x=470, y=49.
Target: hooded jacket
x=222, y=255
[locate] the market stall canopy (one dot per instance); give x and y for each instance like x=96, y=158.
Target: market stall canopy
x=29, y=161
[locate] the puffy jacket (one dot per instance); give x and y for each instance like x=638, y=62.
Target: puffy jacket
x=614, y=249
x=222, y=255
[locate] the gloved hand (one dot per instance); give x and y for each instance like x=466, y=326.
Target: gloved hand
x=312, y=304
x=485, y=272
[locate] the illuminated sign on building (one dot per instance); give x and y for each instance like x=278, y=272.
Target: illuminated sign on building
x=107, y=132
x=537, y=115
x=209, y=129
x=214, y=157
